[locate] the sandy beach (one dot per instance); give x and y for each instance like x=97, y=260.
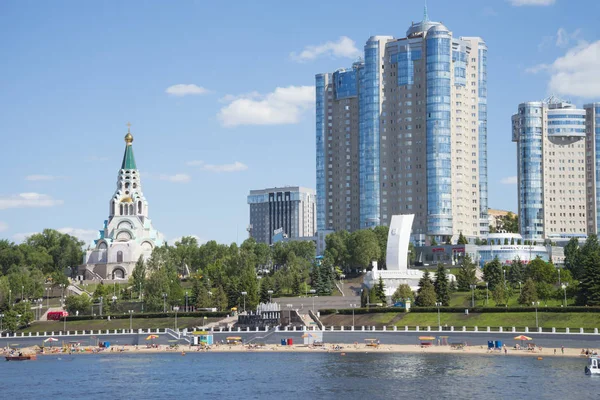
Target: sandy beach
x=340, y=348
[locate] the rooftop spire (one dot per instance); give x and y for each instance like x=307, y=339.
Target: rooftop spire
x=425, y=16
x=128, y=159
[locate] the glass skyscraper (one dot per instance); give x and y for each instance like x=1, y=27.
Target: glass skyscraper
x=555, y=170
x=404, y=131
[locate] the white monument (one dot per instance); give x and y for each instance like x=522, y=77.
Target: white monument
x=397, y=272
x=128, y=233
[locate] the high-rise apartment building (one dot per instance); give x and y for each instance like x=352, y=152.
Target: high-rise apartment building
x=287, y=210
x=556, y=169
x=592, y=165
x=404, y=131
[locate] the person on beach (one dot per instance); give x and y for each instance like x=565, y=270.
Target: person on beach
x=562, y=348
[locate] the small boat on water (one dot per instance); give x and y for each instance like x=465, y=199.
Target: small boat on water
x=593, y=366
x=22, y=357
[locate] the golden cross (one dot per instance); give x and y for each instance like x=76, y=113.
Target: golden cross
x=128, y=126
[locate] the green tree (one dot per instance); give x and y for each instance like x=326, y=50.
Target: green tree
x=442, y=288
x=589, y=287
x=528, y=293
x=499, y=294
x=492, y=273
x=364, y=297
x=379, y=290
x=462, y=239
x=381, y=232
x=220, y=299
x=573, y=258
x=541, y=271
x=265, y=285
x=364, y=248
x=467, y=274
x=433, y=241
x=427, y=296
x=516, y=272
x=138, y=276
x=402, y=293
x=336, y=247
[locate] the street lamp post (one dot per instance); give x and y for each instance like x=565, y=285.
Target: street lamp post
x=270, y=294
x=559, y=277
x=473, y=295
x=186, y=303
x=564, y=288
x=342, y=282
x=176, y=308
x=519, y=288
x=536, y=304
x=130, y=321
x=164, y=302
x=9, y=296
x=22, y=292
x=100, y=305
x=313, y=291
x=65, y=323
x=352, y=306
x=1, y=316
x=244, y=294
x=437, y=304
x=486, y=293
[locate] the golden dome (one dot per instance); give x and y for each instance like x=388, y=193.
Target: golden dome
x=128, y=137
x=126, y=200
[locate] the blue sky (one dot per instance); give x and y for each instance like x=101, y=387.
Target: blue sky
x=220, y=97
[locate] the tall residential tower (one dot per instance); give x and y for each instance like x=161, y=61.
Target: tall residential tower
x=558, y=164
x=404, y=131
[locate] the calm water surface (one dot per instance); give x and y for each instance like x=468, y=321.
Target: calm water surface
x=296, y=375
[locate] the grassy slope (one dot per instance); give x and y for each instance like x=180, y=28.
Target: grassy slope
x=507, y=320
x=144, y=323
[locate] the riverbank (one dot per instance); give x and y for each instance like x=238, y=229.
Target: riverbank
x=328, y=348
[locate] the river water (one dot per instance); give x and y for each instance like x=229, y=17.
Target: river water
x=296, y=376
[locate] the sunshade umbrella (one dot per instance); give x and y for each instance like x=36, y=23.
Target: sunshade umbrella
x=522, y=337
x=150, y=337
x=426, y=337
x=51, y=339
x=307, y=335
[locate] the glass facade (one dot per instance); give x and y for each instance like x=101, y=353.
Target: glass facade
x=439, y=162
x=368, y=143
x=459, y=58
x=572, y=124
x=483, y=169
x=406, y=66
x=345, y=84
x=597, y=163
x=531, y=207
x=320, y=82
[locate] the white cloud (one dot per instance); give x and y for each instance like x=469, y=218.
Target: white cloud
x=234, y=167
x=509, y=180
x=537, y=68
x=35, y=178
x=183, y=89
x=3, y=226
x=21, y=237
x=86, y=235
x=177, y=178
x=178, y=239
x=282, y=106
x=564, y=38
x=519, y=3
x=344, y=47
x=28, y=200
x=575, y=73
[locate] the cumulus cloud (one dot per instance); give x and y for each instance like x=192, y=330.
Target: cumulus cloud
x=178, y=239
x=3, y=226
x=177, y=178
x=86, y=235
x=564, y=38
x=35, y=178
x=343, y=48
x=519, y=3
x=234, y=167
x=509, y=180
x=183, y=89
x=28, y=200
x=285, y=105
x=575, y=73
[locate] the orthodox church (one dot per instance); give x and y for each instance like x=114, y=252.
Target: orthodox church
x=128, y=233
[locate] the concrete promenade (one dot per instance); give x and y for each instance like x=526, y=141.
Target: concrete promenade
x=547, y=340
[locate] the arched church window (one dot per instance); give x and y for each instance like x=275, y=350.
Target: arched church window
x=112, y=208
x=131, y=212
x=119, y=256
x=126, y=185
x=134, y=185
x=139, y=207
x=121, y=209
